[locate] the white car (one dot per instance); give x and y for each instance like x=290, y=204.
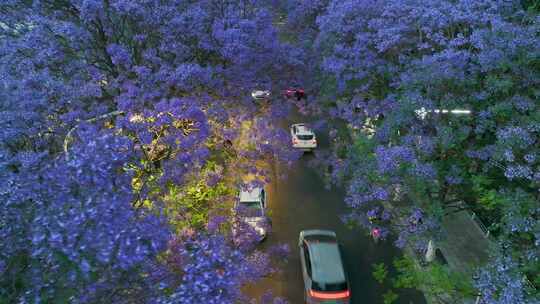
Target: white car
x=303, y=137
x=325, y=278
x=260, y=94
x=250, y=208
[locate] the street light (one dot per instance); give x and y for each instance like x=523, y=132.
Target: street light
x=422, y=112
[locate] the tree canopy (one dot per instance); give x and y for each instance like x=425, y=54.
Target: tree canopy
x=440, y=99
x=106, y=107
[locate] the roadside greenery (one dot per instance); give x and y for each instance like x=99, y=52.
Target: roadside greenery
x=441, y=283
x=380, y=272
x=389, y=297
x=189, y=206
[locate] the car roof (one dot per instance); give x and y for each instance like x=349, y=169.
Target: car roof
x=252, y=195
x=326, y=263
x=303, y=129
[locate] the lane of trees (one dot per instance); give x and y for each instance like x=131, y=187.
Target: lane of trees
x=399, y=65
x=118, y=124
x=120, y=121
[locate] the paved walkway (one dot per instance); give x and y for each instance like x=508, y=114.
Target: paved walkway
x=465, y=245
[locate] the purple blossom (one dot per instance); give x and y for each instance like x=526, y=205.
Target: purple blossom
x=333, y=133
x=425, y=145
x=500, y=283
x=211, y=273
x=401, y=241
x=509, y=155
x=523, y=104
x=389, y=159
x=84, y=214
x=386, y=215
x=373, y=213
x=119, y=54
x=87, y=234
x=453, y=180
x=426, y=171
x=260, y=264
x=530, y=158
x=213, y=179
x=515, y=136
x=484, y=153
x=405, y=50
x=416, y=217
x=518, y=171
x=215, y=222
x=454, y=176
x=184, y=68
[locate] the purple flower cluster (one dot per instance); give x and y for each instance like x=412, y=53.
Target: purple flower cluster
x=425, y=171
x=508, y=155
x=211, y=273
x=515, y=136
x=83, y=215
x=501, y=283
x=401, y=56
x=517, y=171
x=215, y=222
x=134, y=94
x=390, y=159
x=483, y=153
x=530, y=158
x=425, y=145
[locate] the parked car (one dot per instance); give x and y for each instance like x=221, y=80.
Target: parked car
x=325, y=280
x=260, y=94
x=295, y=92
x=303, y=137
x=250, y=210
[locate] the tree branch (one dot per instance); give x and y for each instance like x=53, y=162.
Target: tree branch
x=455, y=200
x=68, y=135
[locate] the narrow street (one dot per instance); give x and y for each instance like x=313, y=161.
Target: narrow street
x=299, y=202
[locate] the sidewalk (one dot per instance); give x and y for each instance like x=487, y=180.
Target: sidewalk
x=465, y=246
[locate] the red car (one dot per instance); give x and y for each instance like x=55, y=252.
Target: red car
x=298, y=93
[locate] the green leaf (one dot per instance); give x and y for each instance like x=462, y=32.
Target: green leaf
x=500, y=84
x=438, y=279
x=380, y=272
x=389, y=297
x=407, y=277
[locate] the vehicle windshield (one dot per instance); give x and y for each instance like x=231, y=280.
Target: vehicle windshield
x=305, y=137
x=320, y=239
x=249, y=209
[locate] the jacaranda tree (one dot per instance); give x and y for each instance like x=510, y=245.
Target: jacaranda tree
x=105, y=106
x=393, y=71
